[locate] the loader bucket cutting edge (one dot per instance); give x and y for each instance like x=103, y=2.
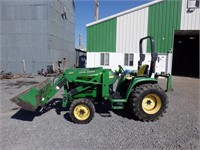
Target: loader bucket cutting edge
x=31, y=99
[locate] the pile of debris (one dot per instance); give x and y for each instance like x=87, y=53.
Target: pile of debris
x=10, y=75
x=50, y=72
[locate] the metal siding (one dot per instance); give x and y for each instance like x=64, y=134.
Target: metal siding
x=131, y=32
x=93, y=60
x=61, y=37
x=87, y=36
x=90, y=60
x=34, y=31
x=114, y=35
x=102, y=37
x=25, y=37
x=118, y=33
x=164, y=19
x=189, y=21
x=130, y=28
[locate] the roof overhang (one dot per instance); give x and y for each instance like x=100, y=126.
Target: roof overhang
x=80, y=50
x=187, y=32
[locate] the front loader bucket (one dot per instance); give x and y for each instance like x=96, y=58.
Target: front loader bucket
x=31, y=99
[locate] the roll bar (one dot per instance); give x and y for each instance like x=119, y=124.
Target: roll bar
x=154, y=55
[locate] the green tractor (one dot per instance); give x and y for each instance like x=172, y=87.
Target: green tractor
x=84, y=87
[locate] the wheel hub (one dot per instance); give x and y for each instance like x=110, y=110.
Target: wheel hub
x=151, y=104
x=148, y=102
x=81, y=112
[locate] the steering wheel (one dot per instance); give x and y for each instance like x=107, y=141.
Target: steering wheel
x=120, y=69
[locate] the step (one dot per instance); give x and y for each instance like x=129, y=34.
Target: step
x=118, y=100
x=117, y=105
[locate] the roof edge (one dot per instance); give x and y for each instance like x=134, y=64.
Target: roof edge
x=124, y=12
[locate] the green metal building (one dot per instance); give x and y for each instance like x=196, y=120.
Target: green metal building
x=115, y=40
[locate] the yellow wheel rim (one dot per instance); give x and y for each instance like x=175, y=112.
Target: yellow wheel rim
x=151, y=104
x=81, y=112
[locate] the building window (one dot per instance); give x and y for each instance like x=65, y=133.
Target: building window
x=104, y=59
x=128, y=59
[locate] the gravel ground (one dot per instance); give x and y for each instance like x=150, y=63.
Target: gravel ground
x=177, y=129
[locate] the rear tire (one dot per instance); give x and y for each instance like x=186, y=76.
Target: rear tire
x=81, y=111
x=148, y=102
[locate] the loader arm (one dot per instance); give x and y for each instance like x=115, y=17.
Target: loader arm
x=85, y=77
x=90, y=82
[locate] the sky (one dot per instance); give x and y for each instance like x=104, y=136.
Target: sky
x=84, y=13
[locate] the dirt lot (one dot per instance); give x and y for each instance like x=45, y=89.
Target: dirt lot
x=177, y=129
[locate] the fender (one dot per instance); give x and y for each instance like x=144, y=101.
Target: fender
x=138, y=81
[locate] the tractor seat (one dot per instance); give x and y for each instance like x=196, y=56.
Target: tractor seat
x=143, y=70
x=129, y=78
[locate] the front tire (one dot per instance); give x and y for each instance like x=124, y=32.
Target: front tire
x=148, y=102
x=81, y=111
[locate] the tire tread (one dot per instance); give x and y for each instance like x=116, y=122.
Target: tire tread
x=86, y=102
x=135, y=100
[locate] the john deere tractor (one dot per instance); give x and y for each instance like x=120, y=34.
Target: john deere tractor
x=82, y=87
